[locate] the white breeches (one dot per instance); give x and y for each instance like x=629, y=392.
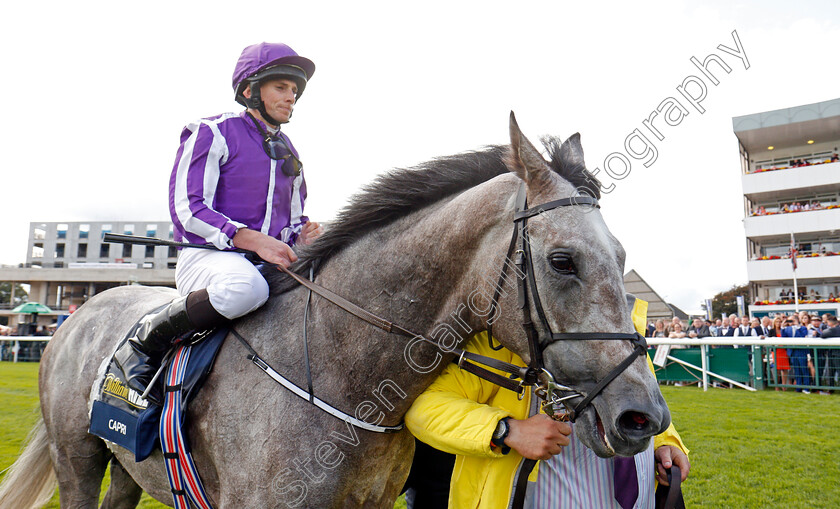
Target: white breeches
x=234, y=285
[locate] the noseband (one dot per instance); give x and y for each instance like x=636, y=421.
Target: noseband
x=519, y=251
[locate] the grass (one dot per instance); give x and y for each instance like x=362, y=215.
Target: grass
x=748, y=450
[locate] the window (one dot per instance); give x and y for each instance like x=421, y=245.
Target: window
x=148, y=265
x=39, y=233
x=173, y=252
x=128, y=229
x=126, y=250
x=151, y=230
x=84, y=230
x=150, y=251
x=58, y=265
x=171, y=265
x=62, y=231
x=59, y=250
x=104, y=250
x=82, y=251
x=106, y=228
x=171, y=231
x=38, y=250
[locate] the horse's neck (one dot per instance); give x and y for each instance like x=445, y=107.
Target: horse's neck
x=414, y=272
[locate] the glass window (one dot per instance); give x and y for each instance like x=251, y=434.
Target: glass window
x=104, y=250
x=37, y=251
x=82, y=251
x=84, y=230
x=106, y=228
x=150, y=251
x=59, y=250
x=39, y=233
x=151, y=230
x=127, y=250
x=128, y=229
x=173, y=252
x=62, y=231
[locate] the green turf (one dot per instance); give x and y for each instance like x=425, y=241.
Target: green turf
x=748, y=450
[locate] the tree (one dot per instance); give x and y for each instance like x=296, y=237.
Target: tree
x=725, y=302
x=21, y=295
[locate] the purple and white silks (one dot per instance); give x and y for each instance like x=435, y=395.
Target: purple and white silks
x=223, y=180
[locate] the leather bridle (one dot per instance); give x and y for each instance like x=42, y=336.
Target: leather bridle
x=519, y=251
x=535, y=374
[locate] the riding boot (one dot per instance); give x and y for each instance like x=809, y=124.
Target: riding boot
x=140, y=356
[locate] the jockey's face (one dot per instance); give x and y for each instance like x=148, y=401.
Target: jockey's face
x=279, y=98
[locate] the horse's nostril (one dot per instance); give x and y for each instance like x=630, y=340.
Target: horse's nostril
x=634, y=421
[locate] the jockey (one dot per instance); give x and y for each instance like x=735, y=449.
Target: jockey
x=237, y=183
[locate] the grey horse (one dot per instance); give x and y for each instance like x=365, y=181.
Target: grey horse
x=420, y=247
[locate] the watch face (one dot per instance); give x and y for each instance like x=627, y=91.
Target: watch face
x=501, y=429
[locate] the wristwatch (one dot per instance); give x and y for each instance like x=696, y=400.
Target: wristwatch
x=501, y=432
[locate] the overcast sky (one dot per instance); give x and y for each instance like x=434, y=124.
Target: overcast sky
x=96, y=93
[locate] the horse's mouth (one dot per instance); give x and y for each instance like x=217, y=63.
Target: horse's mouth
x=602, y=434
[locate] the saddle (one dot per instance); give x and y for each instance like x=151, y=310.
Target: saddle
x=120, y=415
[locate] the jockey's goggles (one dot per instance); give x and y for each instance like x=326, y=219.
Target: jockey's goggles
x=277, y=149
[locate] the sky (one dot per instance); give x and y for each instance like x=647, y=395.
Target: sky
x=95, y=95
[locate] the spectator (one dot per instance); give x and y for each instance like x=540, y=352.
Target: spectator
x=674, y=321
x=676, y=331
x=766, y=327
x=715, y=328
x=755, y=327
x=831, y=364
x=835, y=158
x=798, y=356
x=699, y=329
x=659, y=330
x=725, y=330
x=780, y=357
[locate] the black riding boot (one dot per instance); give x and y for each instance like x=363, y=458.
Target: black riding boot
x=140, y=356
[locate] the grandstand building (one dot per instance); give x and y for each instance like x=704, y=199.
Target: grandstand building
x=791, y=185
x=67, y=263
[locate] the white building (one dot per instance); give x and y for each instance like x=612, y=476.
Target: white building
x=791, y=183
x=67, y=263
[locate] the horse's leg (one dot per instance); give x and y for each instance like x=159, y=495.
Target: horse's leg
x=80, y=464
x=123, y=493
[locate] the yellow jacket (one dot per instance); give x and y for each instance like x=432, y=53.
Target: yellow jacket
x=458, y=414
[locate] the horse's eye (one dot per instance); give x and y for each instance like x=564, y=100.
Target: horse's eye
x=562, y=263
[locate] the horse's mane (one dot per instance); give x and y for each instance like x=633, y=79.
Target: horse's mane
x=401, y=191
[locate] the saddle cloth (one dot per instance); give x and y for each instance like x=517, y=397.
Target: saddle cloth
x=120, y=415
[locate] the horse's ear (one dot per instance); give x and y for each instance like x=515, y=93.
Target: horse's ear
x=571, y=155
x=523, y=158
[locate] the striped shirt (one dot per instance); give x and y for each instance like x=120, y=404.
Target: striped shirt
x=578, y=478
x=223, y=180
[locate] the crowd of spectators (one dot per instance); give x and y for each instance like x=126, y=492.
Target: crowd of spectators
x=797, y=206
x=790, y=366
x=786, y=296
x=797, y=163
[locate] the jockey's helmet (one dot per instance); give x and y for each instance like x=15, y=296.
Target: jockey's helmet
x=264, y=61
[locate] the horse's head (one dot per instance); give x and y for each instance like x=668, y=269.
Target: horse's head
x=578, y=268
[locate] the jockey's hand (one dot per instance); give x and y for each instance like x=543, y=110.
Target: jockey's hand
x=664, y=457
x=268, y=248
x=310, y=231
x=538, y=437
